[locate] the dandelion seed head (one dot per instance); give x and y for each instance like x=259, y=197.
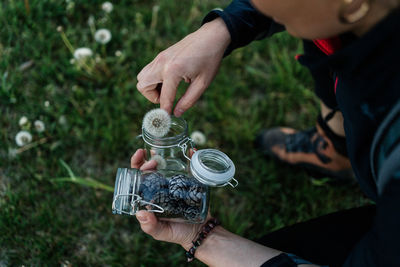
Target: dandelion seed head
x=72, y=61
x=47, y=103
x=157, y=122
x=198, y=138
x=102, y=36
x=62, y=120
x=161, y=163
x=90, y=20
x=82, y=52
x=22, y=121
x=12, y=153
x=118, y=53
x=22, y=138
x=107, y=7
x=39, y=126
x=60, y=29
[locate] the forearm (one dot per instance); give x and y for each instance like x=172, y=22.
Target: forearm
x=219, y=30
x=223, y=248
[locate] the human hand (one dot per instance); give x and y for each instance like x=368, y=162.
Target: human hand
x=179, y=233
x=195, y=59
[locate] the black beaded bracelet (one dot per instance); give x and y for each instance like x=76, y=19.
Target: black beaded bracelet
x=206, y=229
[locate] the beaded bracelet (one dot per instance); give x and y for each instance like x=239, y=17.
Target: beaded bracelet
x=207, y=228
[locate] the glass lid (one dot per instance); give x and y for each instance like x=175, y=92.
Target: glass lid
x=213, y=167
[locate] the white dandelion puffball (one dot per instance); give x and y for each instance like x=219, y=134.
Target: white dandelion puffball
x=157, y=122
x=198, y=138
x=118, y=53
x=39, y=126
x=22, y=138
x=82, y=53
x=22, y=121
x=107, y=7
x=102, y=36
x=161, y=163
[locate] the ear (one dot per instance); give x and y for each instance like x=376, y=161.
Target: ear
x=352, y=11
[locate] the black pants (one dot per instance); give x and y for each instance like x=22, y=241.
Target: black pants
x=326, y=240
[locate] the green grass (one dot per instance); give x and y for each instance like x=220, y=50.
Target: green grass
x=43, y=222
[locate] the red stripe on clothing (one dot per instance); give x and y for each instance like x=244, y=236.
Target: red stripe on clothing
x=336, y=82
x=329, y=45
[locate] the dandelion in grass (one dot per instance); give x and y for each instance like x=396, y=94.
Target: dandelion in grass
x=82, y=53
x=118, y=53
x=22, y=138
x=198, y=138
x=39, y=126
x=23, y=121
x=161, y=163
x=157, y=122
x=12, y=153
x=46, y=103
x=62, y=120
x=107, y=7
x=102, y=36
x=91, y=21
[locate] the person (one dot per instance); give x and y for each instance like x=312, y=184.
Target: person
x=351, y=48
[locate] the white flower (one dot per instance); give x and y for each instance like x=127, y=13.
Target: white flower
x=157, y=122
x=62, y=120
x=82, y=53
x=102, y=36
x=22, y=138
x=39, y=126
x=22, y=121
x=90, y=20
x=198, y=138
x=161, y=163
x=107, y=7
x=12, y=153
x=118, y=53
x=47, y=103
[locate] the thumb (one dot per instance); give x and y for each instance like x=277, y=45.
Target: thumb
x=150, y=225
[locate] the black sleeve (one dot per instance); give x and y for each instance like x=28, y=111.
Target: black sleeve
x=244, y=23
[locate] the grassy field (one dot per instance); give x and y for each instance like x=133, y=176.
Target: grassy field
x=93, y=113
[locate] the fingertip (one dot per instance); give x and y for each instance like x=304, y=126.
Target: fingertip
x=165, y=107
x=149, y=165
x=137, y=158
x=178, y=112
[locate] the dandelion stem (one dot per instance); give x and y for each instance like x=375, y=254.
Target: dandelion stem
x=27, y=7
x=31, y=145
x=67, y=42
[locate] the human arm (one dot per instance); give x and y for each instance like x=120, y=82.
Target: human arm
x=196, y=58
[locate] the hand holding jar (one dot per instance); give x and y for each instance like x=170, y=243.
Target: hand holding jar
x=174, y=232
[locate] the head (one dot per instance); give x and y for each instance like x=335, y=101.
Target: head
x=315, y=19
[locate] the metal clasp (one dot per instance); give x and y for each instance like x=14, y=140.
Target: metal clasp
x=183, y=145
x=136, y=203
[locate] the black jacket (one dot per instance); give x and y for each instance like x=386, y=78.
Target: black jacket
x=368, y=73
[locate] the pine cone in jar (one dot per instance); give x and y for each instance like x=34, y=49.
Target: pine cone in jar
x=178, y=186
x=151, y=184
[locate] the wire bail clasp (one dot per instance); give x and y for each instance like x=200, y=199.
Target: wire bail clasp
x=183, y=145
x=136, y=203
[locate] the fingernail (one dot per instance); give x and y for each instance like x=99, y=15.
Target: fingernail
x=179, y=112
x=141, y=218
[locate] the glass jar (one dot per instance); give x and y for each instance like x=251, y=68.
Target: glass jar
x=171, y=149
x=174, y=195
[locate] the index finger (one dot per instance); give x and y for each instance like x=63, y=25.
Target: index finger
x=168, y=93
